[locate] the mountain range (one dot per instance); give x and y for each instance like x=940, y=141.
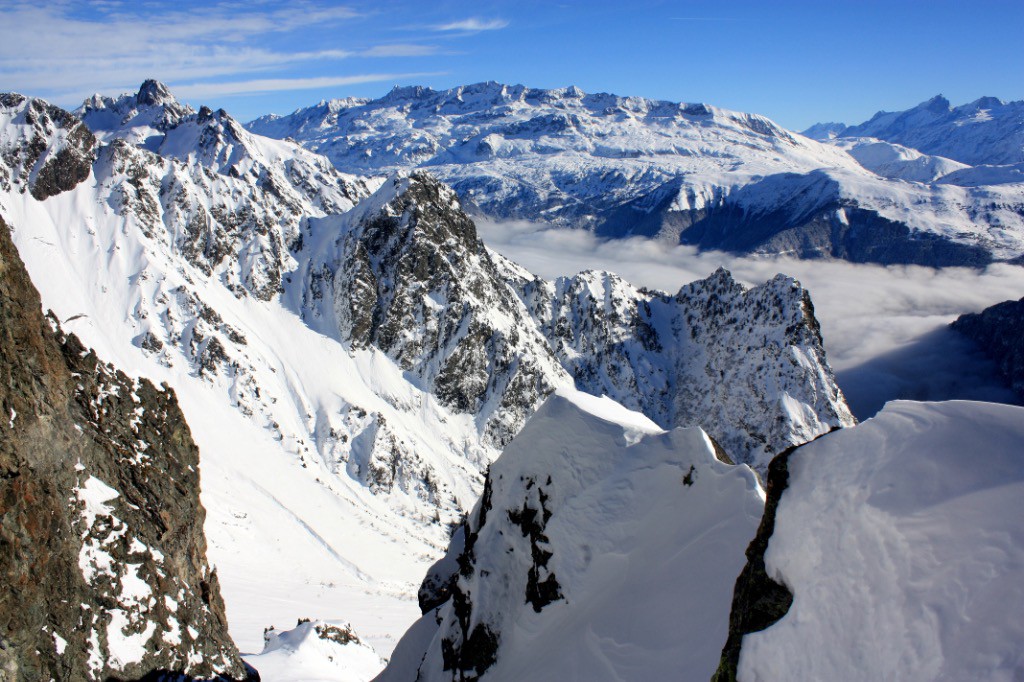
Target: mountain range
x=351, y=358
x=689, y=173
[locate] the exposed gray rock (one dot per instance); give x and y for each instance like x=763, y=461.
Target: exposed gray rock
x=715, y=355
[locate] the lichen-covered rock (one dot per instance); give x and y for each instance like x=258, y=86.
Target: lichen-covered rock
x=102, y=552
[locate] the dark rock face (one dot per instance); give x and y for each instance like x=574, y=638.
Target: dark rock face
x=758, y=601
x=999, y=331
x=810, y=219
x=102, y=552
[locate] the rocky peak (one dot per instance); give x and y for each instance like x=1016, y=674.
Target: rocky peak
x=733, y=361
x=104, y=563
x=154, y=93
x=141, y=117
x=936, y=105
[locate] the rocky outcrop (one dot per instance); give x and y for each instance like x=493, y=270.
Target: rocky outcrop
x=102, y=552
x=46, y=151
x=735, y=362
x=758, y=601
x=999, y=332
x=409, y=275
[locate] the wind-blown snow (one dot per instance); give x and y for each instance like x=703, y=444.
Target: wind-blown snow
x=902, y=544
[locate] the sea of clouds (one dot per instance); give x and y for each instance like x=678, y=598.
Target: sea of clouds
x=885, y=327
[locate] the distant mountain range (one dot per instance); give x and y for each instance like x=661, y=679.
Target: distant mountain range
x=622, y=166
x=985, y=132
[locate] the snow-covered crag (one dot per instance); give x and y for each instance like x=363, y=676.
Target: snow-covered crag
x=630, y=166
x=211, y=188
x=900, y=546
x=589, y=556
x=104, y=564
x=748, y=366
x=406, y=273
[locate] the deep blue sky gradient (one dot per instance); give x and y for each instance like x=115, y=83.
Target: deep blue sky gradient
x=797, y=62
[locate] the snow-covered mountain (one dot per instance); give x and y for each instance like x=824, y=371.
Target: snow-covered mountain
x=602, y=549
x=630, y=166
x=899, y=547
x=986, y=131
x=348, y=354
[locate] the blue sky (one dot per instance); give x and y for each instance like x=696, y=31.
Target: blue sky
x=797, y=62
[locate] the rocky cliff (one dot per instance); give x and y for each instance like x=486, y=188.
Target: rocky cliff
x=102, y=552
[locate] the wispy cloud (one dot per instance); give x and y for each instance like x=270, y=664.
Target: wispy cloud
x=399, y=50
x=472, y=25
x=264, y=85
x=65, y=51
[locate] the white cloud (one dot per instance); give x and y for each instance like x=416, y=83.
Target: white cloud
x=399, y=50
x=281, y=84
x=58, y=52
x=472, y=25
x=885, y=328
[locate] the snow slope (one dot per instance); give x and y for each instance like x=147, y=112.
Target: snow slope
x=630, y=166
x=602, y=549
x=901, y=542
